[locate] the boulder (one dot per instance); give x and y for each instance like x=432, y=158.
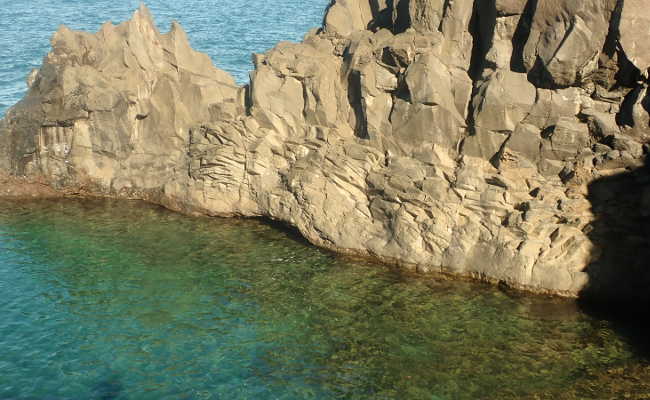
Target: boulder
x=565, y=40
x=347, y=16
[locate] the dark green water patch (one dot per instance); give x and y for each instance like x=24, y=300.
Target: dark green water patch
x=122, y=300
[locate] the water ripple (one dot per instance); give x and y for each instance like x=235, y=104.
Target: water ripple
x=123, y=300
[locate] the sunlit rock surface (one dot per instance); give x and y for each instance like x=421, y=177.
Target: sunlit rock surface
x=464, y=137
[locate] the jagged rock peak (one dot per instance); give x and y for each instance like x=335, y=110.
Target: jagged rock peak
x=136, y=42
x=143, y=14
x=115, y=102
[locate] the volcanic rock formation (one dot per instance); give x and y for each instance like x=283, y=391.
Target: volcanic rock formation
x=471, y=137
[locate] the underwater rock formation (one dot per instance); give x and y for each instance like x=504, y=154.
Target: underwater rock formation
x=461, y=136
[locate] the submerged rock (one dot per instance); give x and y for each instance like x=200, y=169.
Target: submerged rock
x=448, y=136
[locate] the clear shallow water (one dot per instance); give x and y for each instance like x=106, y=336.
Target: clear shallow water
x=227, y=30
x=122, y=300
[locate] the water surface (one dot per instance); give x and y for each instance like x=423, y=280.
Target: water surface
x=123, y=300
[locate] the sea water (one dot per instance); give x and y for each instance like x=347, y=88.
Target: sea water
x=122, y=300
x=103, y=299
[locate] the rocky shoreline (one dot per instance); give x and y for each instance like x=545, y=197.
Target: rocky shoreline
x=13, y=187
x=503, y=140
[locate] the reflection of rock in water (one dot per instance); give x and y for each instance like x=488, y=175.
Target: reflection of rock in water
x=553, y=310
x=543, y=307
x=108, y=389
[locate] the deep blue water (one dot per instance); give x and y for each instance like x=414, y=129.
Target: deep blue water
x=227, y=30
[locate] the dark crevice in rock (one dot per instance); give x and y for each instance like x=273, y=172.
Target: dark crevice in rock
x=626, y=116
x=496, y=158
x=401, y=16
x=374, y=9
x=547, y=132
x=382, y=17
x=355, y=99
x=326, y=11
x=481, y=27
x=542, y=78
x=627, y=75
x=445, y=11
x=616, y=71
x=613, y=35
x=290, y=231
x=521, y=36
x=248, y=99
x=394, y=60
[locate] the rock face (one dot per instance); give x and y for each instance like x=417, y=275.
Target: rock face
x=464, y=137
x=111, y=110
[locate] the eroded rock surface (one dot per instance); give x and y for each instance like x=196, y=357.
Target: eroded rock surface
x=112, y=110
x=458, y=136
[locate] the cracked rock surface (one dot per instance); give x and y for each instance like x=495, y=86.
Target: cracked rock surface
x=470, y=137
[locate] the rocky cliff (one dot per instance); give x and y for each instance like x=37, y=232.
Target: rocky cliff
x=498, y=139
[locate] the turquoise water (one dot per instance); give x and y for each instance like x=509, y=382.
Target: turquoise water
x=227, y=30
x=123, y=300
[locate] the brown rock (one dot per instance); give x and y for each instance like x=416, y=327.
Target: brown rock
x=441, y=135
x=635, y=28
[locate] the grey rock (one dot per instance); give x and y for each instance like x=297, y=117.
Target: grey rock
x=634, y=28
x=445, y=136
x=503, y=101
x=510, y=7
x=602, y=125
x=566, y=39
x=347, y=16
x=112, y=109
x=623, y=143
x=566, y=138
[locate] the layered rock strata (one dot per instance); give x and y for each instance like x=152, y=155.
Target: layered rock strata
x=470, y=137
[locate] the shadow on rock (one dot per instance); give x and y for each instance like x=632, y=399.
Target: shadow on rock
x=619, y=278
x=290, y=231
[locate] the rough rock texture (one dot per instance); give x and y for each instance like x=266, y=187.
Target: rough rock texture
x=112, y=110
x=13, y=187
x=476, y=138
x=635, y=30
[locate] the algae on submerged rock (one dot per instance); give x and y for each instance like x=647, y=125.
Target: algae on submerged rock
x=129, y=297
